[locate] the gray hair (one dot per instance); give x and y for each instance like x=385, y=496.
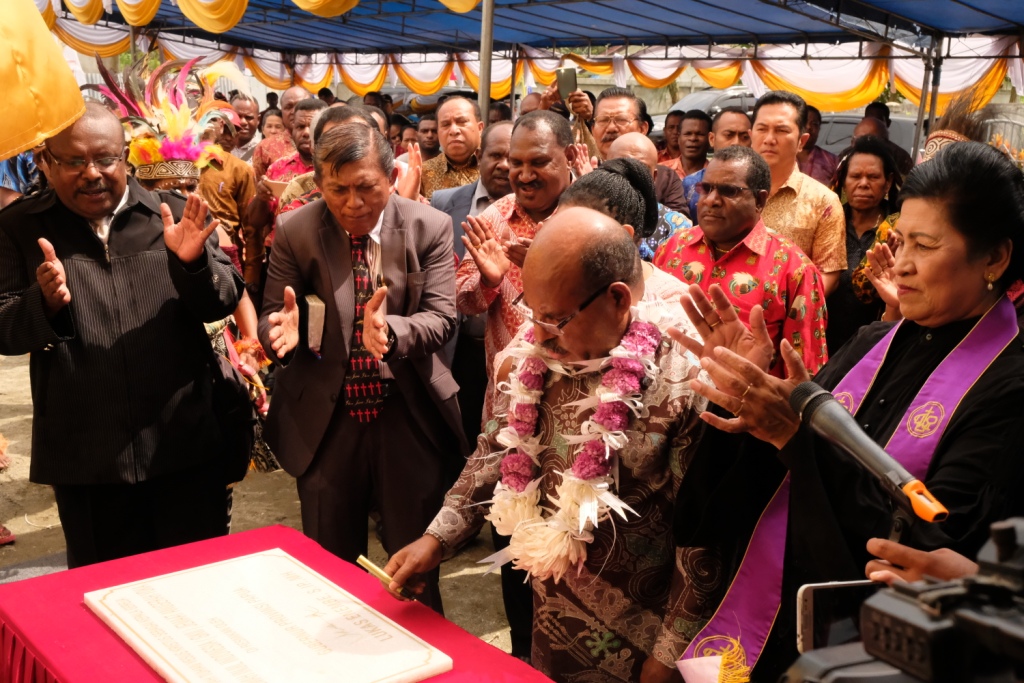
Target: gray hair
x=352, y=141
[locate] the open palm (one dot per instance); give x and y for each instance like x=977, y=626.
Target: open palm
x=486, y=251
x=187, y=238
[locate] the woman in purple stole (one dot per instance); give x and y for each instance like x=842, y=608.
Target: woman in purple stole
x=942, y=391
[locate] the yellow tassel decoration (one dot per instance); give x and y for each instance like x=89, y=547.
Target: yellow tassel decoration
x=734, y=667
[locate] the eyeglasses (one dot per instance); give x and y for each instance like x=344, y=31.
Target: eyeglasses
x=557, y=329
x=619, y=121
x=724, y=190
x=103, y=164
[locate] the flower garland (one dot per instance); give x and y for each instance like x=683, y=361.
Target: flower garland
x=548, y=546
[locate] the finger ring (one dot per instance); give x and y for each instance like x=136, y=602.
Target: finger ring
x=740, y=409
x=715, y=324
x=745, y=392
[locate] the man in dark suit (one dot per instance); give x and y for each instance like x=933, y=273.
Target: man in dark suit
x=108, y=285
x=469, y=365
x=368, y=415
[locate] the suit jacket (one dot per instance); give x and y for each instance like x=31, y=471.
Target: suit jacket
x=457, y=202
x=121, y=376
x=669, y=190
x=312, y=254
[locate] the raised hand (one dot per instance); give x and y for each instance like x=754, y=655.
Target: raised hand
x=186, y=239
x=881, y=271
x=580, y=160
x=516, y=249
x=375, y=325
x=720, y=326
x=409, y=183
x=263, y=191
x=486, y=250
x=579, y=104
x=284, y=325
x=52, y=280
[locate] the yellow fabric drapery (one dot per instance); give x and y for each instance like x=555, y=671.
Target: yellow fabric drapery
x=216, y=16
x=601, y=68
x=40, y=91
x=499, y=89
x=721, y=76
x=326, y=8
x=139, y=12
x=861, y=94
x=460, y=6
x=423, y=87
x=314, y=88
x=361, y=89
x=111, y=50
x=86, y=11
x=266, y=79
x=46, y=9
x=987, y=88
x=647, y=82
x=542, y=77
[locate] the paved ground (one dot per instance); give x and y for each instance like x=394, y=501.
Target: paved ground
x=471, y=600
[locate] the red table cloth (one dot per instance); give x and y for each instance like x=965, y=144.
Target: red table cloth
x=48, y=635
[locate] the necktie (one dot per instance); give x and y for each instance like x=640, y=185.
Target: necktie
x=364, y=391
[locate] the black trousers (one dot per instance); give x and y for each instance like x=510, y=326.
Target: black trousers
x=469, y=368
x=389, y=465
x=107, y=521
x=517, y=595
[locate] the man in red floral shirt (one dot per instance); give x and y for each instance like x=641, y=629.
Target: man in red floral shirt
x=732, y=248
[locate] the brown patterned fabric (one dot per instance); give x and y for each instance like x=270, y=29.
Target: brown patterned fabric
x=440, y=174
x=809, y=214
x=636, y=596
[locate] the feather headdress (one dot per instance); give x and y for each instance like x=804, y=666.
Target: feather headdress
x=167, y=111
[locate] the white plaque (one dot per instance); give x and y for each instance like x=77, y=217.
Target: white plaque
x=262, y=618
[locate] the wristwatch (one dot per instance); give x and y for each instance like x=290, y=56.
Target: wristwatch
x=391, y=343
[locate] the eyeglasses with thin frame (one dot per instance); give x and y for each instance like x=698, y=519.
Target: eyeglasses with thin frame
x=558, y=329
x=103, y=164
x=724, y=190
x=619, y=121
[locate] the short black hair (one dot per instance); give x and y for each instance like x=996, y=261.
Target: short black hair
x=759, y=176
x=488, y=131
x=339, y=114
x=875, y=146
x=881, y=107
x=352, y=141
x=310, y=104
x=697, y=115
x=429, y=116
x=377, y=100
x=784, y=97
x=506, y=111
x=621, y=188
x=398, y=120
x=325, y=92
x=814, y=110
x=558, y=126
x=615, y=93
x=242, y=97
x=982, y=191
x=729, y=110
x=675, y=113
x=457, y=98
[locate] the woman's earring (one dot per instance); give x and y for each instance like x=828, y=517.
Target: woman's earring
x=989, y=278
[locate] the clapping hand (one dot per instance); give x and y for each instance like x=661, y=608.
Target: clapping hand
x=580, y=160
x=284, y=326
x=515, y=249
x=52, y=280
x=881, y=272
x=719, y=325
x=375, y=325
x=186, y=239
x=486, y=251
x=409, y=183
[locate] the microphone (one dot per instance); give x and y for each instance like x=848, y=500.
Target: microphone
x=827, y=418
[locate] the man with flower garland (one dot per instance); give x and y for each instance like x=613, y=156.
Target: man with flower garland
x=596, y=426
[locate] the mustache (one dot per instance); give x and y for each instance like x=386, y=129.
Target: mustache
x=98, y=186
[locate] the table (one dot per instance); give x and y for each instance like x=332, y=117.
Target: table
x=48, y=635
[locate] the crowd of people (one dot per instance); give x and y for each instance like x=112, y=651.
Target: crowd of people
x=553, y=324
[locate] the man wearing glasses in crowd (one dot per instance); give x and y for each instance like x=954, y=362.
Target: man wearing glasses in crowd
x=107, y=285
x=732, y=248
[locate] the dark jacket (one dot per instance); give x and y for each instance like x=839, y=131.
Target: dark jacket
x=312, y=254
x=457, y=203
x=121, y=381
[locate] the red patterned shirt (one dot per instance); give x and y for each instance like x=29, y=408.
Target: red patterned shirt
x=286, y=168
x=504, y=217
x=270, y=150
x=767, y=269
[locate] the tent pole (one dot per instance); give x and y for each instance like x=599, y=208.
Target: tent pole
x=936, y=74
x=486, y=48
x=512, y=90
x=918, y=129
x=131, y=46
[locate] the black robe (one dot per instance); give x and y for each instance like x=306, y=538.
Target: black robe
x=836, y=506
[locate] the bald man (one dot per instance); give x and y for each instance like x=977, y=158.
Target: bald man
x=581, y=278
x=529, y=103
x=101, y=277
x=638, y=146
x=667, y=185
x=871, y=125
